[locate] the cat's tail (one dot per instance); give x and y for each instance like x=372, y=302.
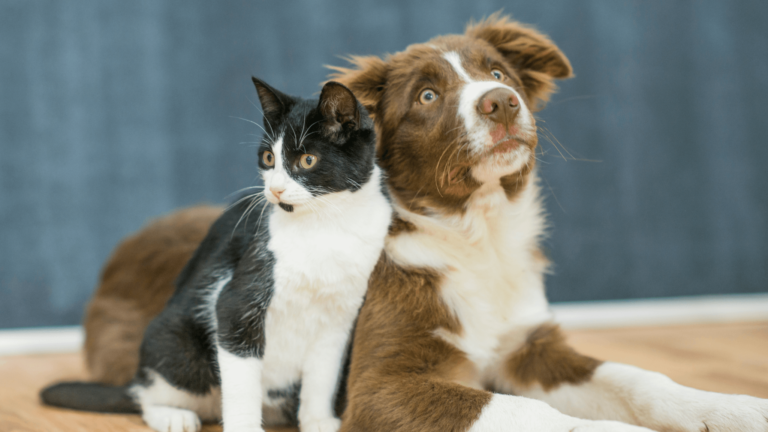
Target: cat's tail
x=85, y=396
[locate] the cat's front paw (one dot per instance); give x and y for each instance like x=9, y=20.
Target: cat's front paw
x=700, y=411
x=331, y=424
x=170, y=419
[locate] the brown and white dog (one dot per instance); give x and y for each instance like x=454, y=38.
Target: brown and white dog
x=456, y=320
x=456, y=333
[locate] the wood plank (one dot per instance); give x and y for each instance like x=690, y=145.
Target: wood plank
x=728, y=358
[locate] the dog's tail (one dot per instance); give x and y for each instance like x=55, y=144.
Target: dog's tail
x=85, y=396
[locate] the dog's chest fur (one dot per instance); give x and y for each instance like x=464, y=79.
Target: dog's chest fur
x=492, y=279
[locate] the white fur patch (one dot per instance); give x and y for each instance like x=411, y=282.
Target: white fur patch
x=241, y=391
x=626, y=393
x=514, y=413
x=168, y=419
x=160, y=394
x=455, y=60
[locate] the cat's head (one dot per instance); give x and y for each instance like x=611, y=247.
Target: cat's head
x=312, y=148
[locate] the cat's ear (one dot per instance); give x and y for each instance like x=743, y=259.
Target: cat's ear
x=340, y=110
x=274, y=104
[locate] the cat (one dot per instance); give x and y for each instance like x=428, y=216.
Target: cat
x=258, y=328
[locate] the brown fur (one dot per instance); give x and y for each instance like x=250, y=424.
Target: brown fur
x=547, y=360
x=403, y=377
x=136, y=283
x=400, y=226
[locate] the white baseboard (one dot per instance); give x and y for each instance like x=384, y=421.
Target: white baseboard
x=578, y=315
x=662, y=311
x=41, y=340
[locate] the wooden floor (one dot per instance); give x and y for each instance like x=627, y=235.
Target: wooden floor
x=731, y=358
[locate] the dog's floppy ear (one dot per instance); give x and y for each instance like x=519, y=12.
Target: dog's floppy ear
x=367, y=79
x=536, y=59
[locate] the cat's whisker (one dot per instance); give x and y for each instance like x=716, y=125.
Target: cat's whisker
x=305, y=134
x=253, y=203
x=272, y=130
x=242, y=199
x=258, y=224
x=266, y=134
x=293, y=131
x=251, y=209
x=244, y=189
x=329, y=204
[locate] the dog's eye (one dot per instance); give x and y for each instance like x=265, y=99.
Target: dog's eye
x=268, y=158
x=307, y=161
x=427, y=96
x=497, y=74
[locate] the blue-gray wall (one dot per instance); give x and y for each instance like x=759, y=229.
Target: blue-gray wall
x=112, y=112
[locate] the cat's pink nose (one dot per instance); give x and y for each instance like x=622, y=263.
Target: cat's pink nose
x=276, y=192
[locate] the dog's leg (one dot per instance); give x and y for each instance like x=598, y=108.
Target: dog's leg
x=545, y=368
x=412, y=390
x=424, y=403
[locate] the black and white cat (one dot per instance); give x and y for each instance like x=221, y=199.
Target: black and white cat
x=258, y=327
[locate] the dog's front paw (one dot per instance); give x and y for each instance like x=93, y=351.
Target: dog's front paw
x=699, y=411
x=331, y=424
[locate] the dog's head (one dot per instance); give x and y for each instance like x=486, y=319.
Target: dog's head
x=456, y=113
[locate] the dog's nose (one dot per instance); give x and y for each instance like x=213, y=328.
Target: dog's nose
x=499, y=105
x=276, y=192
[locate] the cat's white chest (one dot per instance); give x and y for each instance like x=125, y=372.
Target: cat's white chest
x=321, y=272
x=323, y=255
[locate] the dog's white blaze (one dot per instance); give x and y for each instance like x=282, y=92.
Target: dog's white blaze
x=455, y=60
x=477, y=128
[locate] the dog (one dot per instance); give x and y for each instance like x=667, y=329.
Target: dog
x=456, y=332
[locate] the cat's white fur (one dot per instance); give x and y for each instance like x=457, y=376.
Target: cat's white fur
x=166, y=408
x=325, y=251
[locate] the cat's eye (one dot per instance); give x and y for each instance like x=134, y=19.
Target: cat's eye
x=497, y=74
x=268, y=158
x=307, y=161
x=427, y=96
